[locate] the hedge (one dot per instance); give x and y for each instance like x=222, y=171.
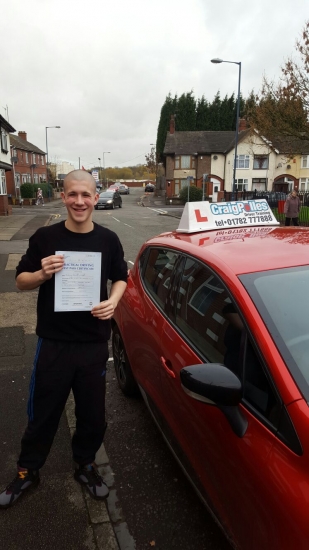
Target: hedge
x=195, y=194
x=29, y=190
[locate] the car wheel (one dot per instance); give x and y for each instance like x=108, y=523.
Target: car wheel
x=96, y=207
x=120, y=205
x=125, y=378
x=113, y=206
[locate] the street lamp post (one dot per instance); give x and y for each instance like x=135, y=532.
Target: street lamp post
x=217, y=60
x=100, y=174
x=104, y=153
x=47, y=179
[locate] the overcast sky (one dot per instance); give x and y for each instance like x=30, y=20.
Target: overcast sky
x=102, y=69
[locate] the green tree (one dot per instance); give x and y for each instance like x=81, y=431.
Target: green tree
x=186, y=112
x=168, y=109
x=214, y=113
x=202, y=114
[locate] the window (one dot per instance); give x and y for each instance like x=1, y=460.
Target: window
x=36, y=178
x=184, y=162
x=4, y=141
x=199, y=306
x=27, y=158
x=17, y=180
x=260, y=162
x=242, y=184
x=2, y=182
x=157, y=273
x=33, y=158
x=42, y=160
x=304, y=184
x=259, y=184
x=242, y=161
x=305, y=161
x=24, y=178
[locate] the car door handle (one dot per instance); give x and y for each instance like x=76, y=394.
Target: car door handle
x=168, y=370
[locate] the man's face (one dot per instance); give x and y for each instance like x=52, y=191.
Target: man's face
x=294, y=194
x=79, y=198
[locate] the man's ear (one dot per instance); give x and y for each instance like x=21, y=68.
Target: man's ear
x=62, y=196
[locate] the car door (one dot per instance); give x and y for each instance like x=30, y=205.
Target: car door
x=230, y=471
x=146, y=310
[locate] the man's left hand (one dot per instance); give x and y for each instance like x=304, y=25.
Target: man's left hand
x=104, y=310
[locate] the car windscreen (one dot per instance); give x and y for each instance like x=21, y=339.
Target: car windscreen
x=107, y=194
x=282, y=299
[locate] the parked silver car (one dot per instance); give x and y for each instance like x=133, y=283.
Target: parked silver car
x=109, y=199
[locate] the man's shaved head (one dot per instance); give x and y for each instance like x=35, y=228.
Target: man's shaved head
x=79, y=175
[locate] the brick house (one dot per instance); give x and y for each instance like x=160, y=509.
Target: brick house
x=5, y=165
x=29, y=163
x=260, y=164
x=189, y=154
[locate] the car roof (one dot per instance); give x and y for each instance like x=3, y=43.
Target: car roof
x=243, y=250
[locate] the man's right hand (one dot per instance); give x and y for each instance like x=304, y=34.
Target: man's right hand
x=51, y=265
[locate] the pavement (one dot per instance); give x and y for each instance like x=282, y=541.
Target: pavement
x=58, y=514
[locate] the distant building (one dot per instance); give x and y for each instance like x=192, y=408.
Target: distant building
x=5, y=165
x=29, y=163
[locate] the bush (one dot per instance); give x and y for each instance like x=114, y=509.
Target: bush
x=27, y=191
x=195, y=194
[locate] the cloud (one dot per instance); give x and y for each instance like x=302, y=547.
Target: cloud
x=102, y=70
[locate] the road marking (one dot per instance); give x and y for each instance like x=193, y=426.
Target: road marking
x=128, y=225
x=116, y=219
x=129, y=262
x=159, y=210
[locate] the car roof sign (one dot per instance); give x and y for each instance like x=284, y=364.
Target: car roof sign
x=206, y=216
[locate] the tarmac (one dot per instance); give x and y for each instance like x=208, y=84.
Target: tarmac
x=58, y=514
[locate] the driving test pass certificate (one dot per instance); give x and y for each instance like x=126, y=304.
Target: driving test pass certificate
x=77, y=285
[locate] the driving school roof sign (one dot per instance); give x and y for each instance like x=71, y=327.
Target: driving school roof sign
x=205, y=216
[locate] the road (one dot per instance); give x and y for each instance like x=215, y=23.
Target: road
x=159, y=504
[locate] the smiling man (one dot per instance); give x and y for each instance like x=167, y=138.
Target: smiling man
x=72, y=348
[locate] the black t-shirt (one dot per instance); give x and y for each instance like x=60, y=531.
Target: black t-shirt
x=76, y=325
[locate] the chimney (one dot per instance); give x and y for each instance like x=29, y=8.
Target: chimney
x=23, y=135
x=242, y=125
x=172, y=124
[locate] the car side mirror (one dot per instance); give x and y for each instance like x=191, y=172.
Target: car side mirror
x=215, y=384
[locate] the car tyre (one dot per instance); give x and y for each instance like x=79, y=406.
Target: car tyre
x=125, y=378
x=96, y=208
x=120, y=205
x=113, y=206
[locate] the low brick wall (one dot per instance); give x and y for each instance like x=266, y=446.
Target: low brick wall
x=5, y=207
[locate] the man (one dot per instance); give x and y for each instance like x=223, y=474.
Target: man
x=292, y=208
x=39, y=197
x=72, y=346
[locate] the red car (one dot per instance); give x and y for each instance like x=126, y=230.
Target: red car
x=213, y=330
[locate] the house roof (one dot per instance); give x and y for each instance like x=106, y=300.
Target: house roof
x=200, y=142
x=20, y=143
x=290, y=145
x=6, y=125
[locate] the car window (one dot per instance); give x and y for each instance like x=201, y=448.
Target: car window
x=157, y=273
x=199, y=311
x=258, y=390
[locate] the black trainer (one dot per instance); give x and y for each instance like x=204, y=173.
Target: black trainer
x=89, y=477
x=24, y=480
